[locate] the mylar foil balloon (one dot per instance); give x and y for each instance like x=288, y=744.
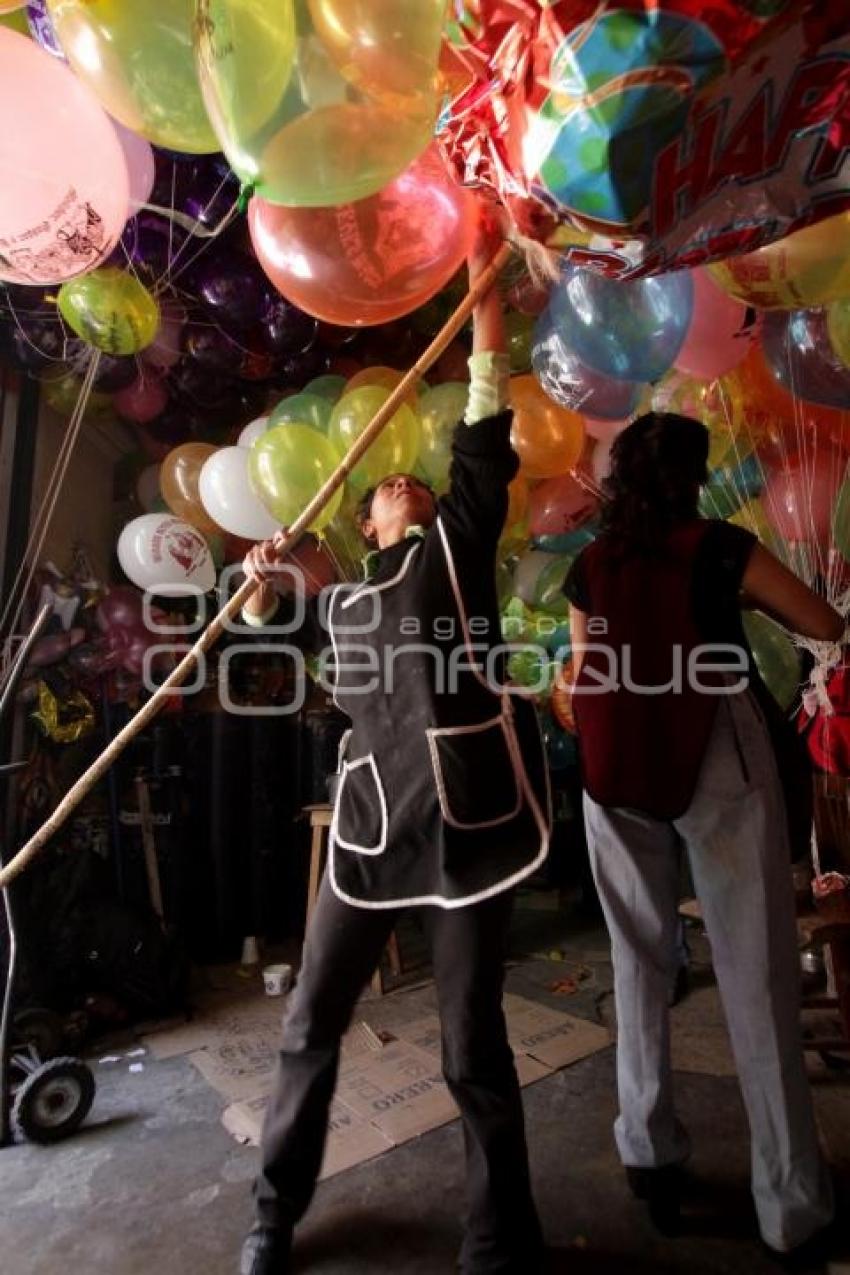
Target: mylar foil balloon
x=64, y=197
x=439, y=410
x=230, y=500
x=800, y=355
x=631, y=331
x=287, y=466
x=776, y=656
x=322, y=103
x=110, y=310
x=547, y=438
x=569, y=382
x=179, y=481
x=137, y=60
x=305, y=409
x=807, y=268
x=720, y=333
x=371, y=261
x=395, y=449
x=164, y=554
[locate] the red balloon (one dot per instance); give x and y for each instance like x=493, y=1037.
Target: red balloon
x=374, y=260
x=558, y=505
x=121, y=608
x=800, y=494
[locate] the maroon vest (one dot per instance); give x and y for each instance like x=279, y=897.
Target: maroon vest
x=644, y=749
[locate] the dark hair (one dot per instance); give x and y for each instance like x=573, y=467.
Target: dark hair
x=364, y=504
x=658, y=465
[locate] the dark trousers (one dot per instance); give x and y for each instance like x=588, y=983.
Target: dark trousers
x=341, y=950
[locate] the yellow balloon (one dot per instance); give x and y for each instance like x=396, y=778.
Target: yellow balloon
x=810, y=267
x=179, y=479
x=440, y=409
x=136, y=56
x=287, y=465
x=838, y=327
x=547, y=437
x=62, y=393
x=718, y=405
x=395, y=449
x=111, y=310
x=323, y=103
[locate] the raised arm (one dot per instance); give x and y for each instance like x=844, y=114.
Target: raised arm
x=774, y=589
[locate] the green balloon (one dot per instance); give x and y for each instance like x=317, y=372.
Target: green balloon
x=440, y=409
x=777, y=658
x=519, y=330
x=329, y=386
x=302, y=409
x=287, y=465
x=841, y=521
x=110, y=310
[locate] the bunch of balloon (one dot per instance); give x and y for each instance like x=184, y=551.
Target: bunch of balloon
x=321, y=103
x=372, y=261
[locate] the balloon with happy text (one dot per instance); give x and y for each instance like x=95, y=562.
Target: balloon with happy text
x=807, y=268
x=65, y=192
x=163, y=554
x=720, y=334
x=631, y=331
x=548, y=438
x=137, y=60
x=230, y=500
x=376, y=260
x=800, y=355
x=569, y=382
x=319, y=104
x=110, y=310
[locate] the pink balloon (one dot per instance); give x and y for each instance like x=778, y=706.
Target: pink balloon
x=142, y=400
x=558, y=505
x=65, y=195
x=166, y=350
x=603, y=430
x=800, y=493
x=720, y=334
x=141, y=166
x=121, y=608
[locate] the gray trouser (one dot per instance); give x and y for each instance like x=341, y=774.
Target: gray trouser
x=736, y=838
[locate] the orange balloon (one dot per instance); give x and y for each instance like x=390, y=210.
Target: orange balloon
x=387, y=377
x=562, y=697
x=372, y=261
x=178, y=481
x=548, y=438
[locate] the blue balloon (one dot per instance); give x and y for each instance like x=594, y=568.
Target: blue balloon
x=566, y=379
x=568, y=542
x=799, y=353
x=730, y=487
x=631, y=330
x=561, y=748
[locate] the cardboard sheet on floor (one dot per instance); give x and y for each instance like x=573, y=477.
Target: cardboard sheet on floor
x=388, y=1094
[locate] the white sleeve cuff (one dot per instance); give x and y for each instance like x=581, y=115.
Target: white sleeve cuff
x=259, y=621
x=489, y=388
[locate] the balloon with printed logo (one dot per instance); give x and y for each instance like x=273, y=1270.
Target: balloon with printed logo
x=137, y=60
x=800, y=492
x=319, y=104
x=252, y=431
x=110, y=310
x=547, y=438
x=306, y=409
x=440, y=409
x=373, y=261
x=180, y=484
x=569, y=382
x=558, y=505
x=287, y=466
x=777, y=658
x=629, y=330
x=810, y=267
x=230, y=500
x=800, y=355
x=64, y=197
x=164, y=554
x=395, y=449
x=720, y=332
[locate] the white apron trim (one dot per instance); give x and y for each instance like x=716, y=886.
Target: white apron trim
x=347, y=768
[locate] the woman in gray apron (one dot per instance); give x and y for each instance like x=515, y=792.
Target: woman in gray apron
x=442, y=804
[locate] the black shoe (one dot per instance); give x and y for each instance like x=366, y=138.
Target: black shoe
x=661, y=1189
x=681, y=986
x=811, y=1255
x=266, y=1251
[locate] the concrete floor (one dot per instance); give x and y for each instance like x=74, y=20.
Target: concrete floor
x=154, y=1183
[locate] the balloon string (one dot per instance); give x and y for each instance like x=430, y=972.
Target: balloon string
x=41, y=525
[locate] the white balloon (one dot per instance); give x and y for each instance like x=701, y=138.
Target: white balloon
x=147, y=487
x=252, y=432
x=162, y=553
x=229, y=499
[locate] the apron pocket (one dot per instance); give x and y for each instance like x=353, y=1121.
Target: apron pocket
x=360, y=813
x=475, y=772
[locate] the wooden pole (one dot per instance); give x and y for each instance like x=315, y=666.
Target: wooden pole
x=148, y=711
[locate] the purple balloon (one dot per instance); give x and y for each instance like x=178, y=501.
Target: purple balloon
x=286, y=329
x=572, y=384
x=153, y=245
x=296, y=371
x=800, y=355
x=232, y=288
x=38, y=343
x=213, y=190
x=115, y=374
x=210, y=347
x=120, y=608
x=42, y=29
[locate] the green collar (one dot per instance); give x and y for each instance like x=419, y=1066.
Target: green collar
x=372, y=560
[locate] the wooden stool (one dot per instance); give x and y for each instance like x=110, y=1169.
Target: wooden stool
x=320, y=822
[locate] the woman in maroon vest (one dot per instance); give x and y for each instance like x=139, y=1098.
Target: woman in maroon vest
x=673, y=725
